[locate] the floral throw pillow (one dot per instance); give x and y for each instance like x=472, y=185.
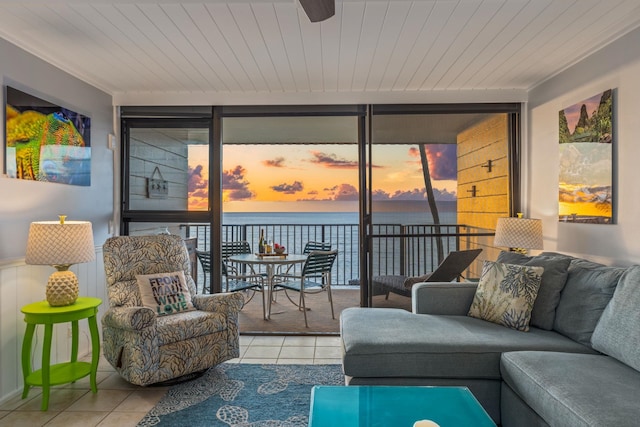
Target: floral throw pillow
x=506, y=293
x=165, y=293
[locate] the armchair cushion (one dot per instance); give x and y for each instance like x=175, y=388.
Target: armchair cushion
x=165, y=293
x=506, y=293
x=228, y=304
x=129, y=318
x=188, y=325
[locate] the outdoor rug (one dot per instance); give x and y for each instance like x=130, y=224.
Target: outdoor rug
x=236, y=394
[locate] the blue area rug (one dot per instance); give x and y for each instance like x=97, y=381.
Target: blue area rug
x=245, y=395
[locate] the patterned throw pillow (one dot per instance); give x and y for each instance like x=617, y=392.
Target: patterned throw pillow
x=506, y=293
x=552, y=282
x=165, y=293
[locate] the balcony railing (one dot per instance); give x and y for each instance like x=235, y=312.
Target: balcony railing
x=410, y=250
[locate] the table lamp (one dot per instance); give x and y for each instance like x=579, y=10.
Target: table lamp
x=60, y=244
x=518, y=234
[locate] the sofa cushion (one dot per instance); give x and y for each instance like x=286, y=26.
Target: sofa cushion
x=506, y=293
x=588, y=290
x=553, y=279
x=618, y=331
x=165, y=293
x=563, y=388
x=384, y=342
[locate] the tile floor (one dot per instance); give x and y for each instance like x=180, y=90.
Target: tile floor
x=121, y=404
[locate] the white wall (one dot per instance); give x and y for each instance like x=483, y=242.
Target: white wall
x=22, y=202
x=617, y=66
x=22, y=284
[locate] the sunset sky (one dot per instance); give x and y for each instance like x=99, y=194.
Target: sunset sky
x=264, y=177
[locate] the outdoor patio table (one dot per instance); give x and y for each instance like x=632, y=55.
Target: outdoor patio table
x=270, y=262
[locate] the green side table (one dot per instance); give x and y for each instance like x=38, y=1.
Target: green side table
x=41, y=313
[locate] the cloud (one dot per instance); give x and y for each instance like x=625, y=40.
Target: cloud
x=332, y=161
x=196, y=181
x=242, y=194
x=198, y=189
x=234, y=184
x=415, y=194
x=314, y=199
x=288, y=188
x=380, y=195
x=203, y=193
x=278, y=162
x=445, y=195
x=345, y=192
x=233, y=179
x=348, y=192
x=442, y=159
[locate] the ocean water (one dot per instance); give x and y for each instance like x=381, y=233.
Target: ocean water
x=407, y=213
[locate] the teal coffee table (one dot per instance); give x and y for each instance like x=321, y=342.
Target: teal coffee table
x=397, y=406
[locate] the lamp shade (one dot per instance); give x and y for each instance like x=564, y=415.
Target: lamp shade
x=60, y=244
x=522, y=233
x=53, y=243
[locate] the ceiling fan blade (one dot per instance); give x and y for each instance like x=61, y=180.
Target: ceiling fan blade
x=319, y=10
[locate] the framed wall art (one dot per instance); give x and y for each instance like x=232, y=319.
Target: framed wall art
x=586, y=139
x=45, y=142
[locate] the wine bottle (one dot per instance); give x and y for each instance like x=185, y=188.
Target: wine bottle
x=261, y=242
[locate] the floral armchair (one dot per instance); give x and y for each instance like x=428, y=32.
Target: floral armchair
x=147, y=348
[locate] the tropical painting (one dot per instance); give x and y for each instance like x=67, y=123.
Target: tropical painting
x=46, y=142
x=586, y=161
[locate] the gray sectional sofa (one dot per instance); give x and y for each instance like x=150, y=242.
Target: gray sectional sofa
x=578, y=365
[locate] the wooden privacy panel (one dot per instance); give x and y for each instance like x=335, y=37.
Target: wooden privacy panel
x=479, y=209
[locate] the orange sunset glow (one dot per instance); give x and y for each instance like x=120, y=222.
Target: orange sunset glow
x=264, y=177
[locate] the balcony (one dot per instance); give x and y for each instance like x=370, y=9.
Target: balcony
x=410, y=250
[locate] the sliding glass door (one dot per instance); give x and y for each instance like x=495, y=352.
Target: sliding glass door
x=292, y=174
x=166, y=180
x=437, y=177
x=393, y=187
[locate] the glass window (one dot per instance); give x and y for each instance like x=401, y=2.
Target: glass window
x=439, y=181
x=168, y=169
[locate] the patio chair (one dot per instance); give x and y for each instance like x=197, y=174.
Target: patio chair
x=316, y=246
x=239, y=247
x=449, y=269
x=308, y=248
x=205, y=262
x=317, y=266
x=234, y=280
x=155, y=333
x=235, y=248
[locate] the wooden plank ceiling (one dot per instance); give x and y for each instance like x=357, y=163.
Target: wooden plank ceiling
x=271, y=46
